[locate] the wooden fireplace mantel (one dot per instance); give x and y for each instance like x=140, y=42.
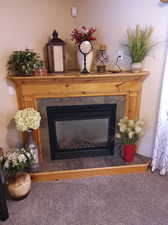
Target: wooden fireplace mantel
x=30, y=89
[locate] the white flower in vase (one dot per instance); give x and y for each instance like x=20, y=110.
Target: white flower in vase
x=139, y=123
x=138, y=130
x=123, y=120
x=131, y=123
x=118, y=135
x=6, y=165
x=27, y=118
x=131, y=134
x=123, y=128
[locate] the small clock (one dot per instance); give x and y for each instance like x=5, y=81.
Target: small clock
x=85, y=48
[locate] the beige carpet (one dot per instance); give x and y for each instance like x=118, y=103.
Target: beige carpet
x=134, y=199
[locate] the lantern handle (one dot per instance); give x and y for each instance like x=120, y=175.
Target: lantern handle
x=55, y=37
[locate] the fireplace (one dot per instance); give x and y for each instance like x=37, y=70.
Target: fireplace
x=73, y=89
x=81, y=130
x=33, y=91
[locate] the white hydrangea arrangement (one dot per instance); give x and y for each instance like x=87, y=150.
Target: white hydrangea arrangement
x=129, y=131
x=16, y=161
x=27, y=119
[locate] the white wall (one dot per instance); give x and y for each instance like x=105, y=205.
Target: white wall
x=112, y=18
x=28, y=24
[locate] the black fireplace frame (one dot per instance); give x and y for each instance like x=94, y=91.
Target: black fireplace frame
x=79, y=112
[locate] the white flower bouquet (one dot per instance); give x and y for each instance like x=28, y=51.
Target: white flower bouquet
x=129, y=131
x=27, y=119
x=16, y=161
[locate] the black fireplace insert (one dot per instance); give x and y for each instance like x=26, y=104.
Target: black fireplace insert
x=81, y=131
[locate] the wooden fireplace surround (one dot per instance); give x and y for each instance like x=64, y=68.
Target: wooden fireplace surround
x=30, y=89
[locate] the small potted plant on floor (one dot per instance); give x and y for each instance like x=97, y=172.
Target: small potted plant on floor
x=24, y=63
x=15, y=164
x=138, y=45
x=129, y=132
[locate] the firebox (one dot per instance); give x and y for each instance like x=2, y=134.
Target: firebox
x=81, y=131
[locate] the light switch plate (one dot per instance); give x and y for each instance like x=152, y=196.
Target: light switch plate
x=74, y=11
x=11, y=90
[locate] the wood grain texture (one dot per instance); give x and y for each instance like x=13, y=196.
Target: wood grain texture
x=164, y=1
x=72, y=84
x=83, y=173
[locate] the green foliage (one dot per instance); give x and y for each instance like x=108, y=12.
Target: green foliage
x=139, y=43
x=24, y=62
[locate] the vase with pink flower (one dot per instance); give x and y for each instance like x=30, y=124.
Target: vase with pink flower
x=80, y=35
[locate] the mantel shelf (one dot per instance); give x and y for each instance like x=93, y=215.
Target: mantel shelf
x=73, y=75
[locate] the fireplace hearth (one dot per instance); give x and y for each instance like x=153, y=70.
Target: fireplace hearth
x=81, y=131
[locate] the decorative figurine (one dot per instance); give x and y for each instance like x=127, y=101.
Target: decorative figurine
x=102, y=58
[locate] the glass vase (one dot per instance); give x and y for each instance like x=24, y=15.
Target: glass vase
x=32, y=147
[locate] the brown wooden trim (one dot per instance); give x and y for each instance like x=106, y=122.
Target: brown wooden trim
x=74, y=75
x=164, y=1
x=83, y=173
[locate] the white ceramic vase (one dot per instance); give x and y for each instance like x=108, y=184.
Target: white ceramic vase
x=136, y=67
x=89, y=60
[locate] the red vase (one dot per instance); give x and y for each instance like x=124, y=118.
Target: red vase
x=129, y=152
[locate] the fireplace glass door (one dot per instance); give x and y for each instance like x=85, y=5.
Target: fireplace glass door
x=82, y=134
x=81, y=131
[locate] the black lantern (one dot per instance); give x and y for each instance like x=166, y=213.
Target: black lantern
x=55, y=53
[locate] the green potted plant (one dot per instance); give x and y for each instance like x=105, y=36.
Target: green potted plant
x=129, y=132
x=15, y=164
x=23, y=63
x=138, y=45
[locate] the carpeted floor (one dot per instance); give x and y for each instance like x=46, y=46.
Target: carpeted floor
x=134, y=199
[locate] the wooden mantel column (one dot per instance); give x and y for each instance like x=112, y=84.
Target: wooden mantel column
x=72, y=84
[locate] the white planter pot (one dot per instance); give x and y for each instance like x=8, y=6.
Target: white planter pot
x=80, y=59
x=136, y=67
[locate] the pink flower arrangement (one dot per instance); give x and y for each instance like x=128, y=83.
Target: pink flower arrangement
x=83, y=34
